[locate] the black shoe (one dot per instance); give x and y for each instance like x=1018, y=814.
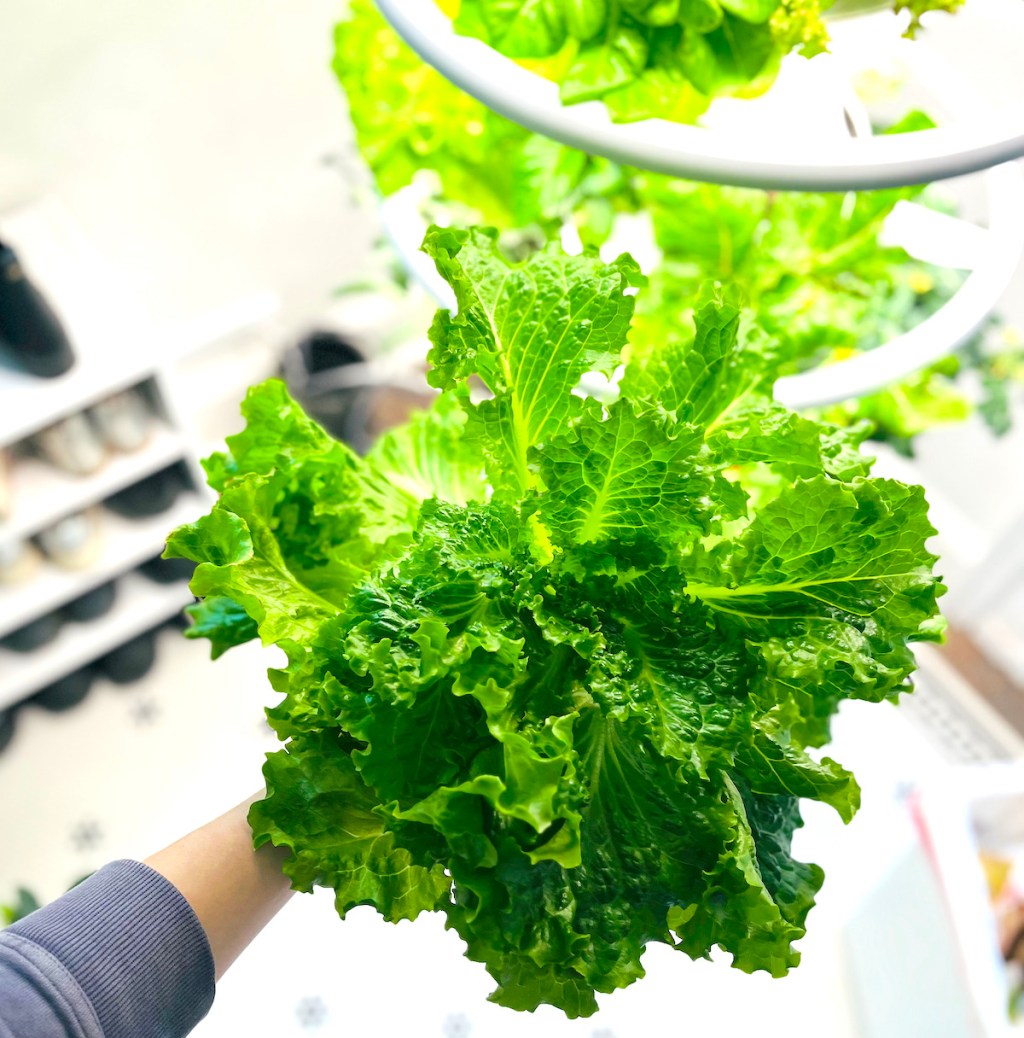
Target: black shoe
x=69, y=691
x=150, y=496
x=317, y=352
x=167, y=571
x=130, y=661
x=180, y=621
x=6, y=728
x=307, y=369
x=34, y=635
x=29, y=329
x=93, y=604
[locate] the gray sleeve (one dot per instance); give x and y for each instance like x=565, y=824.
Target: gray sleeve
x=122, y=955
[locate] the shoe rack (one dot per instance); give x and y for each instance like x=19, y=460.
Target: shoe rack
x=116, y=353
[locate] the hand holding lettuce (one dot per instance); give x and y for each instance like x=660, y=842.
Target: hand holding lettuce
x=551, y=669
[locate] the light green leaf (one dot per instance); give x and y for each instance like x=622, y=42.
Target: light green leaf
x=751, y=10
x=702, y=15
x=429, y=457
x=738, y=58
x=584, y=19
x=518, y=28
x=529, y=331
x=618, y=476
x=605, y=65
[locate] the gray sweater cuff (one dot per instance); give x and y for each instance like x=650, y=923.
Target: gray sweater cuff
x=136, y=948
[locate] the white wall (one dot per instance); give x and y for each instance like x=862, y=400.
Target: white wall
x=190, y=139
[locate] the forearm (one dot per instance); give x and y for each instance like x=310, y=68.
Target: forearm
x=134, y=949
x=121, y=955
x=233, y=890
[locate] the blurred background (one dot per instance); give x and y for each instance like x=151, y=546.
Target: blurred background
x=180, y=184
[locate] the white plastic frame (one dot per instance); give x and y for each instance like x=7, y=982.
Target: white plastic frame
x=944, y=331
x=801, y=164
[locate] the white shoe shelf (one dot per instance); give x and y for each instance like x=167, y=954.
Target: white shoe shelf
x=115, y=349
x=41, y=493
x=126, y=543
x=140, y=604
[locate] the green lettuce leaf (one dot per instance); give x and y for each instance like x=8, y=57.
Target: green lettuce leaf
x=529, y=333
x=340, y=841
x=521, y=28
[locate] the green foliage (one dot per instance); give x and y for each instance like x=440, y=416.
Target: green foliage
x=659, y=58
x=24, y=903
x=919, y=8
x=999, y=367
x=810, y=265
x=410, y=119
x=551, y=671
x=900, y=412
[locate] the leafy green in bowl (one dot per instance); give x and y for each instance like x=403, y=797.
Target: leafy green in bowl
x=664, y=59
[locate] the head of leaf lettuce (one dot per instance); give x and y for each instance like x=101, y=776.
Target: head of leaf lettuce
x=554, y=664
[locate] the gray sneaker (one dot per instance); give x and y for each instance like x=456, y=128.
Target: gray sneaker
x=122, y=420
x=72, y=445
x=6, y=495
x=19, y=561
x=75, y=542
